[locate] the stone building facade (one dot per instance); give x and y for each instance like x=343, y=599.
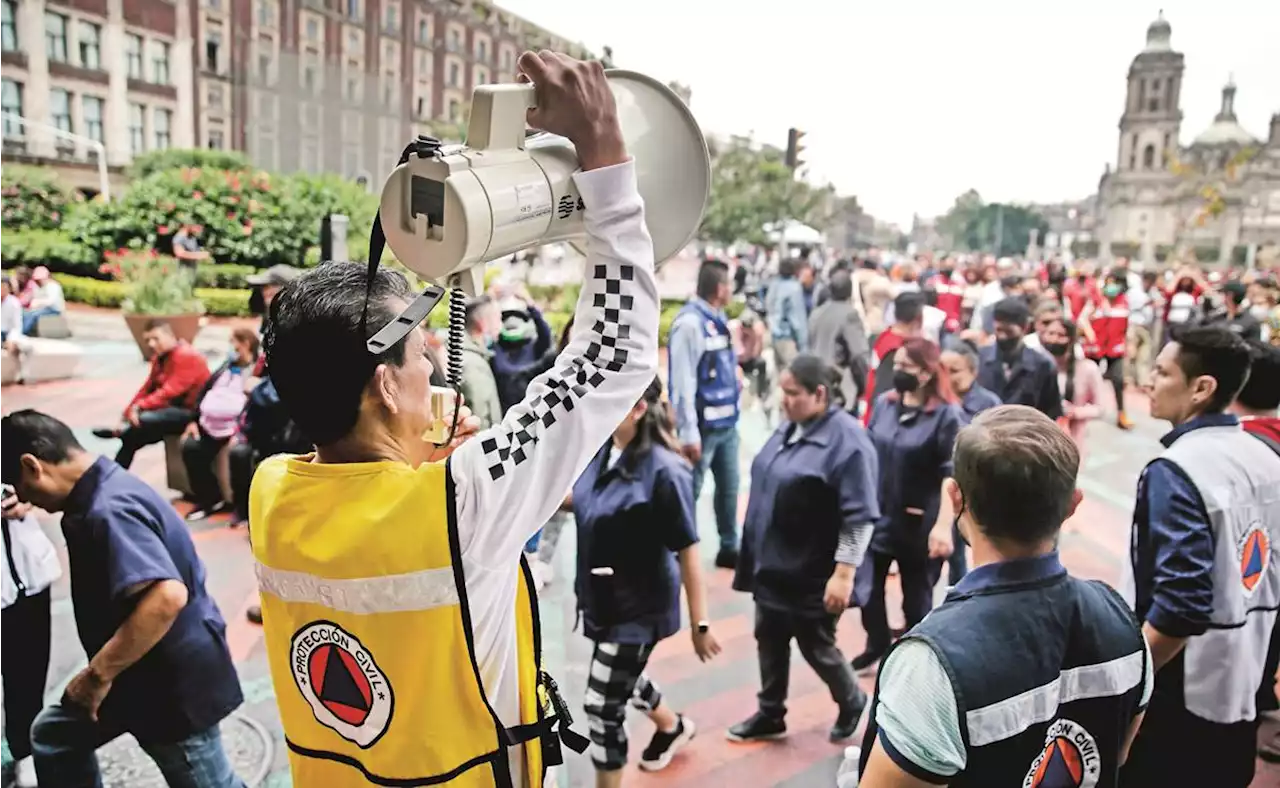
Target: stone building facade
x=1217, y=198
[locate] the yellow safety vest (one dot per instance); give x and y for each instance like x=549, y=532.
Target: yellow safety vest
x=369, y=636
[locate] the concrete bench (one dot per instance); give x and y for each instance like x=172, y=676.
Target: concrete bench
x=53, y=327
x=9, y=370
x=42, y=359
x=174, y=469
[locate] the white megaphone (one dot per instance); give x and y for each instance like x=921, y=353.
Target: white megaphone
x=450, y=208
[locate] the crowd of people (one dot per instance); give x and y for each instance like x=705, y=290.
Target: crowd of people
x=932, y=417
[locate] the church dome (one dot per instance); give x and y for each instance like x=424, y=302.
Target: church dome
x=1159, y=34
x=1225, y=129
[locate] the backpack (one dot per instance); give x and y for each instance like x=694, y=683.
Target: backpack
x=222, y=404
x=266, y=423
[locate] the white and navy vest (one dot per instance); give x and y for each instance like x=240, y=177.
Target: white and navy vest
x=1238, y=478
x=717, y=396
x=1048, y=672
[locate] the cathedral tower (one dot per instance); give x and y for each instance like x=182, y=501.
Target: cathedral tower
x=1151, y=119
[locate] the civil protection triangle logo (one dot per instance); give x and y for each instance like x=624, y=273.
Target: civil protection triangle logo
x=341, y=682
x=1069, y=759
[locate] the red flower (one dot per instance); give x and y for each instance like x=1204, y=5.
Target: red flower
x=231, y=216
x=197, y=195
x=163, y=229
x=247, y=229
x=153, y=253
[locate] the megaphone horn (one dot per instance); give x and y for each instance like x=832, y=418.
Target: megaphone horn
x=447, y=209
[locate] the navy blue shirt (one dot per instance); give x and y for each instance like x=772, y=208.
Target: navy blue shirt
x=632, y=516
x=976, y=400
x=1032, y=379
x=804, y=492
x=1173, y=547
x=120, y=533
x=914, y=447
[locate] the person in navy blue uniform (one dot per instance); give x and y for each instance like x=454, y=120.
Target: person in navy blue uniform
x=703, y=376
x=1025, y=675
x=809, y=519
x=159, y=667
x=914, y=429
x=637, y=539
x=1017, y=374
x=961, y=363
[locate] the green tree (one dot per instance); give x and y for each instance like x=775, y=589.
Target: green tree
x=1005, y=229
x=752, y=187
x=952, y=224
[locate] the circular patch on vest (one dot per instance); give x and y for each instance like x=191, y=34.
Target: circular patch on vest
x=1254, y=552
x=1069, y=759
x=338, y=678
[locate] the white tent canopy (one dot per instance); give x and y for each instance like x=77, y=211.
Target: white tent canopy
x=795, y=233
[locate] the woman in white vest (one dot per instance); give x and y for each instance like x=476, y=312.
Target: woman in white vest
x=30, y=567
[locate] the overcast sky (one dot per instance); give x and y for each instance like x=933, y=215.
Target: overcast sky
x=909, y=103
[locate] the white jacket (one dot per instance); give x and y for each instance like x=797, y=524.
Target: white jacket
x=34, y=559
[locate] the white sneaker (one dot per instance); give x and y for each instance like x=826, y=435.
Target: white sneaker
x=25, y=773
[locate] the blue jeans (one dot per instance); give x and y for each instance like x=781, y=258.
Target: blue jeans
x=32, y=316
x=720, y=455
x=63, y=741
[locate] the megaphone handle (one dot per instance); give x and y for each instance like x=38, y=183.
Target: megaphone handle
x=531, y=95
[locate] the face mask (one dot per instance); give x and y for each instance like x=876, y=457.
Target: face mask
x=1056, y=349
x=1008, y=345
x=1260, y=311
x=904, y=382
x=1111, y=291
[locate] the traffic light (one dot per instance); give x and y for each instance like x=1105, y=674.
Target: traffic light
x=794, y=148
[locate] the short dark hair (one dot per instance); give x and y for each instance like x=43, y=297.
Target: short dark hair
x=475, y=309
x=35, y=433
x=1235, y=292
x=811, y=371
x=157, y=323
x=787, y=267
x=1010, y=281
x=1012, y=310
x=965, y=351
x=908, y=307
x=1262, y=390
x=841, y=286
x=318, y=358
x=1218, y=352
x=711, y=274
x=1017, y=470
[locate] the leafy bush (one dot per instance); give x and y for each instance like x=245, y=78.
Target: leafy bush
x=32, y=199
x=83, y=290
x=175, y=159
x=224, y=276
x=154, y=284
x=51, y=248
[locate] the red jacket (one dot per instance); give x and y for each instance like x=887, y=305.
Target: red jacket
x=1266, y=426
x=1110, y=322
x=886, y=343
x=1077, y=295
x=950, y=300
x=175, y=380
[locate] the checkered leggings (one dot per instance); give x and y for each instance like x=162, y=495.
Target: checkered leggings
x=617, y=677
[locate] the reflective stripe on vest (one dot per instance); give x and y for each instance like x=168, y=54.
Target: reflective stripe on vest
x=368, y=633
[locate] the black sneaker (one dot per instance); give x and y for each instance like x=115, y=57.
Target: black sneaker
x=106, y=433
x=758, y=727
x=727, y=558
x=254, y=614
x=866, y=662
x=664, y=746
x=847, y=721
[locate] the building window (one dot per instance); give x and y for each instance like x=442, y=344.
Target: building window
x=352, y=91
x=133, y=55
x=163, y=120
x=1153, y=105
x=92, y=107
x=137, y=129
x=423, y=65
x=309, y=78
x=1149, y=157
x=506, y=60
x=90, y=41
x=481, y=76
x=160, y=64
x=455, y=75
x=393, y=19
x=313, y=29
x=215, y=139
x=353, y=41
x=424, y=30
x=455, y=41
x=482, y=51
x=266, y=18
x=214, y=94
x=60, y=109
x=212, y=48
x=455, y=111
x=11, y=105
x=55, y=36
x=420, y=107
x=353, y=9
x=9, y=26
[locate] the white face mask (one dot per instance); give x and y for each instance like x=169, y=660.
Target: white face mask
x=1260, y=311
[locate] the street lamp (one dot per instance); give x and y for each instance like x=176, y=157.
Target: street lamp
x=103, y=184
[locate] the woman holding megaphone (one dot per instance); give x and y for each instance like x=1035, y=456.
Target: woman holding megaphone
x=400, y=621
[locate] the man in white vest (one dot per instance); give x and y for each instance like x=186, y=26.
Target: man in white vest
x=1203, y=575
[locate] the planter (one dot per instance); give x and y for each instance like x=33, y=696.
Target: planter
x=184, y=327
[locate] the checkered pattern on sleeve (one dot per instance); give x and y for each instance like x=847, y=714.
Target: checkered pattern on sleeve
x=568, y=382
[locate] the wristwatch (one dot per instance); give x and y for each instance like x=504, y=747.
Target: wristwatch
x=703, y=627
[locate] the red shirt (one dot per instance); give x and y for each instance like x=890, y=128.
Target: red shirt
x=1077, y=295
x=886, y=343
x=950, y=300
x=175, y=380
x=1110, y=322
